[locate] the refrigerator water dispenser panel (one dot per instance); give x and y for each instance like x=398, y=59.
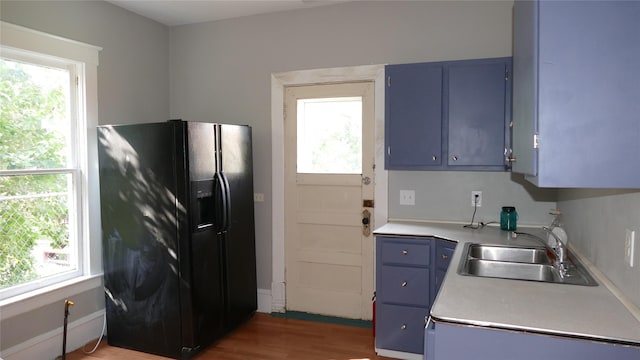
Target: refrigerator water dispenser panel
x=203, y=203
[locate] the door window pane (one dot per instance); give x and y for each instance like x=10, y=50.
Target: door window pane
x=330, y=135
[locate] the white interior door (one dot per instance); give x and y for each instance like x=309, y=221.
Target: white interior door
x=329, y=161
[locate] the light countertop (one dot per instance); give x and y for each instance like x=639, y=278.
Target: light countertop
x=561, y=309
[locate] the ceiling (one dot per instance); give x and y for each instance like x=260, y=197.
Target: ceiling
x=182, y=12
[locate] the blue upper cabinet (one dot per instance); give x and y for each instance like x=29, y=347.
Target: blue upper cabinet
x=451, y=115
x=576, y=120
x=479, y=112
x=413, y=112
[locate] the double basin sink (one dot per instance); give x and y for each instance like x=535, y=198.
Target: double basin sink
x=521, y=263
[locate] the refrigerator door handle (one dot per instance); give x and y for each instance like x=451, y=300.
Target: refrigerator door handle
x=226, y=202
x=221, y=203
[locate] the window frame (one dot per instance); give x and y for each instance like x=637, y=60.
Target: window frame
x=34, y=47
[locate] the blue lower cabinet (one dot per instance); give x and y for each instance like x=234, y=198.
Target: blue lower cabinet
x=456, y=342
x=400, y=328
x=407, y=270
x=429, y=340
x=444, y=253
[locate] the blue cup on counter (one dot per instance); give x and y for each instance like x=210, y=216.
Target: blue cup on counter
x=508, y=218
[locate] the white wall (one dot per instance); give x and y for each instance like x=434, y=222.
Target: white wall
x=133, y=86
x=221, y=70
x=595, y=221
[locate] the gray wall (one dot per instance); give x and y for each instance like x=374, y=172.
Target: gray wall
x=596, y=221
x=221, y=70
x=447, y=196
x=133, y=85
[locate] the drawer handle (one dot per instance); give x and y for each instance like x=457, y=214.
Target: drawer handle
x=403, y=327
x=404, y=284
x=404, y=252
x=444, y=257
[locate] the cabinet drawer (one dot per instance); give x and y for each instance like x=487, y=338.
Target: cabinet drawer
x=404, y=285
x=400, y=328
x=443, y=257
x=418, y=253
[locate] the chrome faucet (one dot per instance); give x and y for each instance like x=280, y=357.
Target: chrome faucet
x=560, y=250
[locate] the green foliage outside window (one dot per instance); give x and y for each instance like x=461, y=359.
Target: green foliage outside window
x=32, y=207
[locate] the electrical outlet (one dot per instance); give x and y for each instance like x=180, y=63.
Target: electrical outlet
x=476, y=198
x=407, y=197
x=629, y=247
x=258, y=197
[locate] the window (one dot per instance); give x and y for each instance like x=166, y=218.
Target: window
x=44, y=172
x=330, y=135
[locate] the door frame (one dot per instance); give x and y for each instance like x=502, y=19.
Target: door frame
x=373, y=73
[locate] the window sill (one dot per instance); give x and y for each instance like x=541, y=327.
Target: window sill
x=26, y=302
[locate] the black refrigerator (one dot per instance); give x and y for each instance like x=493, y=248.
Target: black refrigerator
x=178, y=234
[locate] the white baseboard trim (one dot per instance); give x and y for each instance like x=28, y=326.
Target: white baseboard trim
x=278, y=297
x=264, y=301
x=48, y=346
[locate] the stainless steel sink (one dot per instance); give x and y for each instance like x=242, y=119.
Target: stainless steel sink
x=520, y=263
x=511, y=270
x=506, y=253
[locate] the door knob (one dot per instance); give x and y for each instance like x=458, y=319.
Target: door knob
x=366, y=222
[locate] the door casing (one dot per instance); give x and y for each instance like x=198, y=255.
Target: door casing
x=279, y=81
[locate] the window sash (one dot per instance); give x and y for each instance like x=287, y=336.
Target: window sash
x=76, y=220
x=76, y=165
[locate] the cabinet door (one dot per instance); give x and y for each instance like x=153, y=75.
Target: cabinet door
x=578, y=96
x=413, y=111
x=525, y=94
x=401, y=328
x=454, y=342
x=478, y=94
x=444, y=252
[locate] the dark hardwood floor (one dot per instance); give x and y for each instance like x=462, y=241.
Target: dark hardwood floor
x=270, y=338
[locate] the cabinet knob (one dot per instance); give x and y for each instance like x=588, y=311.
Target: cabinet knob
x=454, y=158
x=403, y=327
x=404, y=284
x=444, y=257
x=404, y=252
x=434, y=158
